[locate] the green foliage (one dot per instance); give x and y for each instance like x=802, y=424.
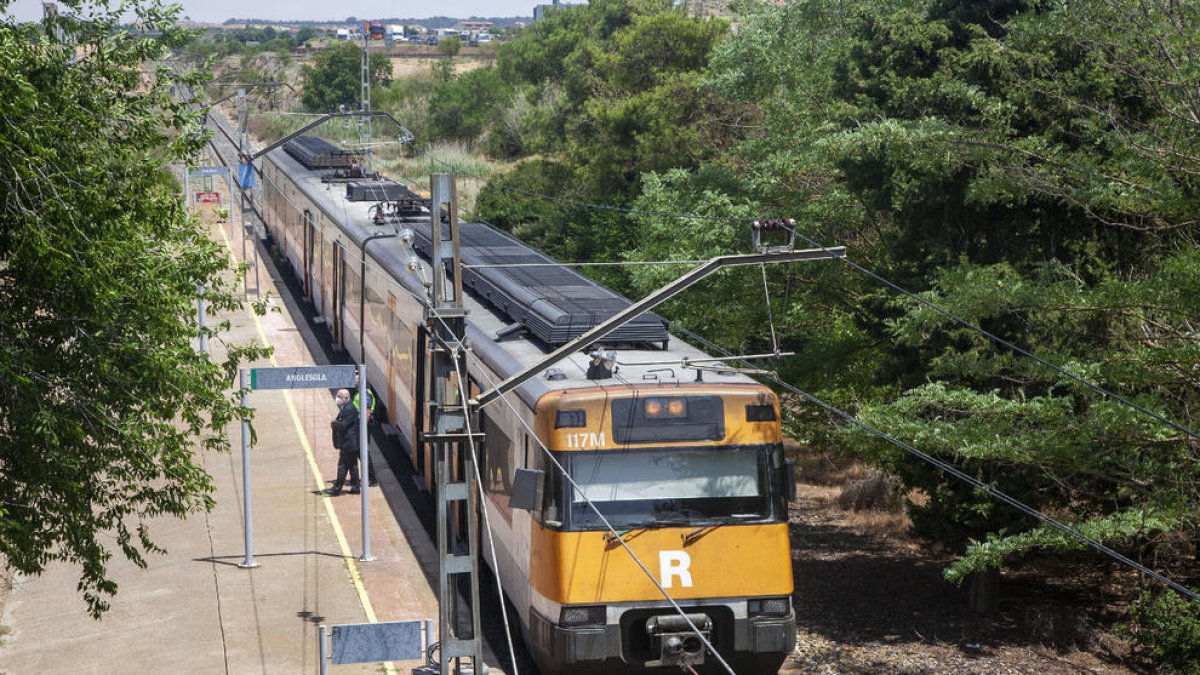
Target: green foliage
x=609, y=90
x=462, y=108
x=334, y=78
x=222, y=42
x=104, y=400
x=449, y=46
x=1029, y=166
x=1169, y=627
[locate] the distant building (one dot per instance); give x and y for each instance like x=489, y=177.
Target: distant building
x=539, y=12
x=475, y=26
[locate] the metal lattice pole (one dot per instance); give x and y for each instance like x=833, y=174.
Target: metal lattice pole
x=457, y=520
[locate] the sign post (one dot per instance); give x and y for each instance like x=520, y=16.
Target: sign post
x=247, y=505
x=364, y=409
x=307, y=377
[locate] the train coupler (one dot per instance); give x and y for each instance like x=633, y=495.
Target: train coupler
x=675, y=641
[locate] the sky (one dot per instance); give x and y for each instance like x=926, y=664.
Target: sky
x=216, y=11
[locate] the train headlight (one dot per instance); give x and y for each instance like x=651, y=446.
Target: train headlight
x=769, y=606
x=583, y=615
x=664, y=408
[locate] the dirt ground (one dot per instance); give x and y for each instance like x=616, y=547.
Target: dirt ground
x=871, y=600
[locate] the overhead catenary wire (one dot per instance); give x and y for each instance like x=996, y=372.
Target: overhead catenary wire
x=623, y=263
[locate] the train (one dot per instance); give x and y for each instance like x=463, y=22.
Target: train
x=687, y=465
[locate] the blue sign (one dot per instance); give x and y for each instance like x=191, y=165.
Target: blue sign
x=208, y=170
x=246, y=175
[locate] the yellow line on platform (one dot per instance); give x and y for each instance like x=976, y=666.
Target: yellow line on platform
x=347, y=555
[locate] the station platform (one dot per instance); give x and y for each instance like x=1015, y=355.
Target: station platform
x=194, y=609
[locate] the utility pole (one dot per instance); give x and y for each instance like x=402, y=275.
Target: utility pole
x=449, y=438
x=365, y=98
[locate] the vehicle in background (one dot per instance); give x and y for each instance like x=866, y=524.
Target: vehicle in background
x=343, y=33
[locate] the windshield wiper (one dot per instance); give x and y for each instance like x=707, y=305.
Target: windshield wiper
x=699, y=532
x=610, y=537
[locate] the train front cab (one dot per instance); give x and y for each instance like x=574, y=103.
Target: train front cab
x=694, y=480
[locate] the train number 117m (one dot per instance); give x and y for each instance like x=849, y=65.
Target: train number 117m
x=585, y=440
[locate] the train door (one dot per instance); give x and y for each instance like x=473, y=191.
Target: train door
x=421, y=403
x=320, y=276
x=339, y=290
x=393, y=346
x=309, y=232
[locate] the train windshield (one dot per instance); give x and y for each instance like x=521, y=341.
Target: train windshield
x=665, y=487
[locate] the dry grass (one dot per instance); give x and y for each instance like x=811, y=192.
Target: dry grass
x=823, y=468
x=405, y=68
x=860, y=497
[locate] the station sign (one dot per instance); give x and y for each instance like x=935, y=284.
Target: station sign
x=208, y=197
x=303, y=377
x=208, y=170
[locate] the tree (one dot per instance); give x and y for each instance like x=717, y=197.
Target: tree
x=620, y=92
x=1030, y=166
x=335, y=77
x=450, y=46
x=462, y=107
x=104, y=401
x=305, y=34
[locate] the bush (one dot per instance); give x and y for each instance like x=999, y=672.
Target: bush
x=1169, y=627
x=334, y=77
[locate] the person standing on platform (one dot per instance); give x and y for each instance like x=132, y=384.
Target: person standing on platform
x=345, y=439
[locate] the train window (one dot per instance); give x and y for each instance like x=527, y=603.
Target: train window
x=564, y=419
x=662, y=419
x=497, y=457
x=655, y=486
x=760, y=413
x=551, y=511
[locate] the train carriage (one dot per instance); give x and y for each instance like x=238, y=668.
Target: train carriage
x=689, y=470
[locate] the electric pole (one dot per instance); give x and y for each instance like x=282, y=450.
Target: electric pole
x=454, y=428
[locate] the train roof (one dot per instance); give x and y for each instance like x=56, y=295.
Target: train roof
x=554, y=303
x=639, y=364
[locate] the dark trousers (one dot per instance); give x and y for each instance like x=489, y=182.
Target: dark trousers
x=347, y=465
